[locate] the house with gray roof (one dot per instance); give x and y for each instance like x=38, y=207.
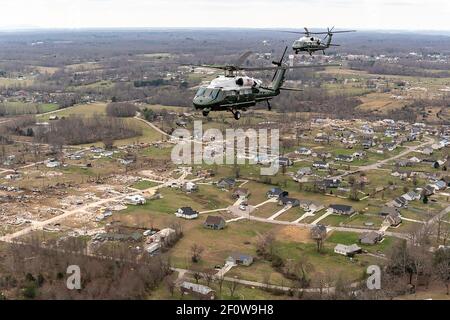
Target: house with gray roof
x=371, y=237
x=198, y=290
x=348, y=251
x=240, y=259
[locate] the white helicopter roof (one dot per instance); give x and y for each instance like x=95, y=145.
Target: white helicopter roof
x=229, y=83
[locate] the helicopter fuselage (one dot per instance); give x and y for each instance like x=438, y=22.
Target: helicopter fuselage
x=308, y=44
x=232, y=93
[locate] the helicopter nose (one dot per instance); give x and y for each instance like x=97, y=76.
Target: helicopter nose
x=200, y=102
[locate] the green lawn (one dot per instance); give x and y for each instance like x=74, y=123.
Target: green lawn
x=144, y=184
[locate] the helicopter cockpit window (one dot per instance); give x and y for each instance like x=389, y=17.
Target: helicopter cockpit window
x=215, y=93
x=200, y=92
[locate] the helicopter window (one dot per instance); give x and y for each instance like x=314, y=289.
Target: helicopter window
x=213, y=93
x=200, y=92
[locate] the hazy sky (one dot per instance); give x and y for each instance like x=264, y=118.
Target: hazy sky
x=360, y=14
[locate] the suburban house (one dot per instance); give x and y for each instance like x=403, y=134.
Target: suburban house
x=190, y=186
x=341, y=209
x=390, y=146
x=214, y=222
x=400, y=202
x=368, y=143
x=284, y=162
x=319, y=231
x=285, y=201
x=226, y=183
x=371, y=237
x=240, y=259
x=153, y=248
x=344, y=157
x=309, y=205
x=304, y=171
x=439, y=185
x=411, y=196
x=198, y=290
x=386, y=210
x=428, y=190
x=276, y=193
x=320, y=165
x=186, y=213
x=52, y=163
x=348, y=251
x=240, y=192
x=304, y=151
x=331, y=183
x=135, y=199
x=393, y=219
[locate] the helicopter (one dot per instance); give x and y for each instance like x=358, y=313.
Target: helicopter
x=310, y=44
x=233, y=92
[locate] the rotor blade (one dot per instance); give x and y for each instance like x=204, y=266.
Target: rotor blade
x=287, y=31
x=291, y=89
x=242, y=58
x=308, y=33
x=306, y=29
x=292, y=67
x=342, y=31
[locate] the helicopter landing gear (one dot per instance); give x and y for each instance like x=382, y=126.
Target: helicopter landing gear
x=205, y=112
x=269, y=107
x=236, y=113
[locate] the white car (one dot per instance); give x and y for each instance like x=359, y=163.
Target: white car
x=243, y=207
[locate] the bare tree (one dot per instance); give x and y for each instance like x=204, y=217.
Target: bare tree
x=232, y=286
x=196, y=251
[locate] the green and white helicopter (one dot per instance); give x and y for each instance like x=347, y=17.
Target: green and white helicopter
x=310, y=44
x=234, y=92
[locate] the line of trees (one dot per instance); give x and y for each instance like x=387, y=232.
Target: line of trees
x=32, y=272
x=121, y=109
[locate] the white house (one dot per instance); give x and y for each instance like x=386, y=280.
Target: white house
x=52, y=164
x=186, y=213
x=348, y=251
x=411, y=196
x=153, y=247
x=304, y=151
x=135, y=199
x=190, y=186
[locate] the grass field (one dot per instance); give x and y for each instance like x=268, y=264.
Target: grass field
x=144, y=184
x=85, y=110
